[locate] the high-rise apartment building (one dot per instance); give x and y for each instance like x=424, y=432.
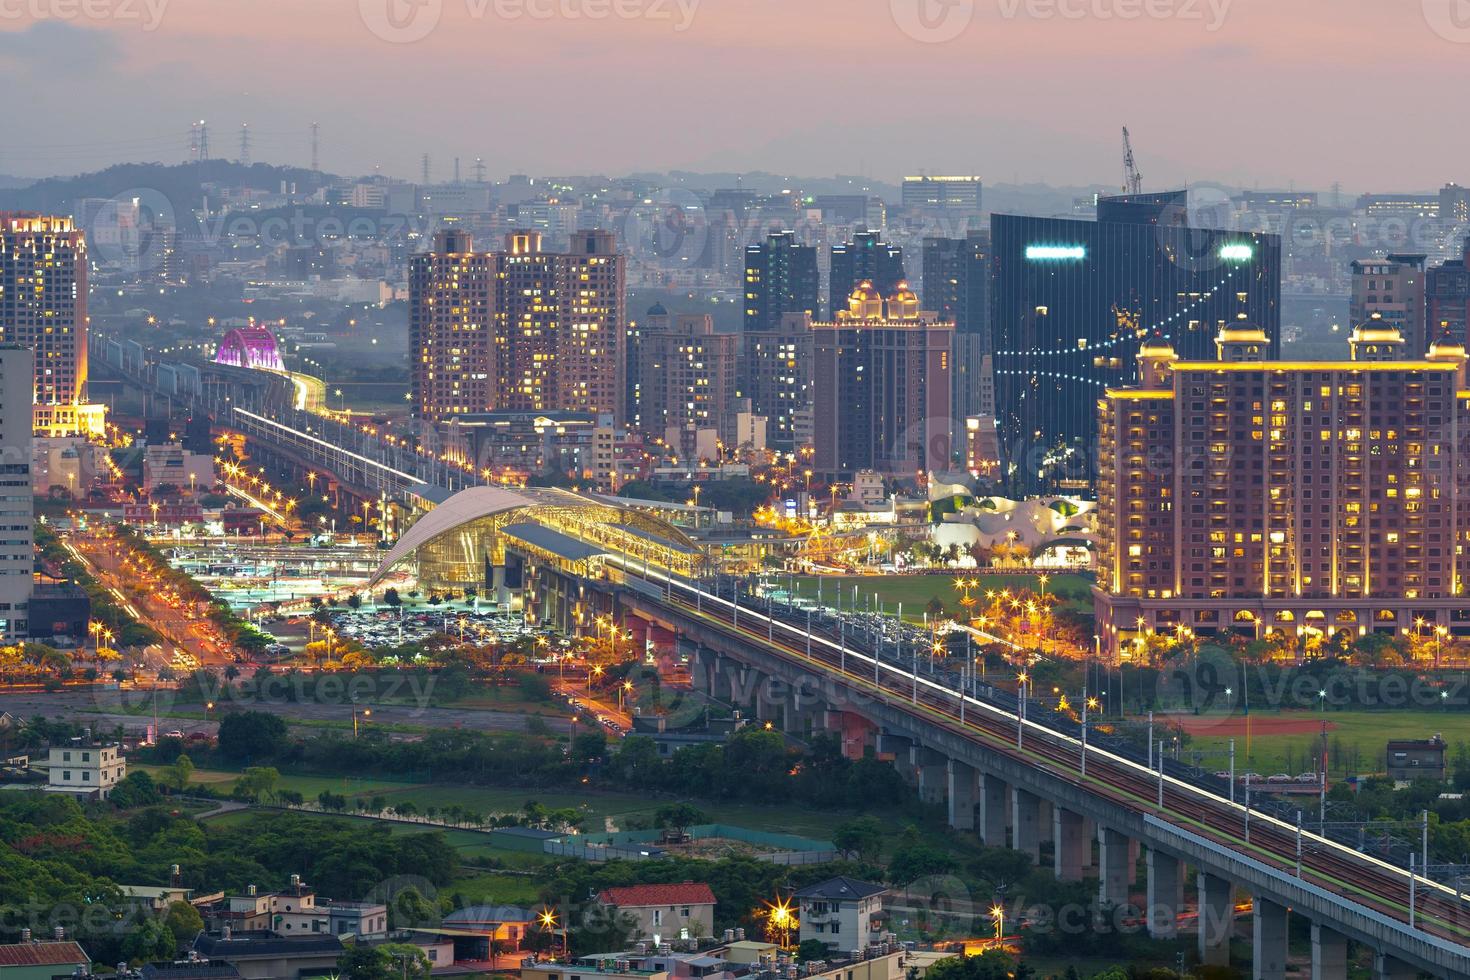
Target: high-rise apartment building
x=687, y=374
x=867, y=258
x=43, y=302
x=781, y=277
x=17, y=372
x=1391, y=291
x=1245, y=495
x=1447, y=299
x=956, y=286
x=778, y=379
x=881, y=387
x=450, y=328
x=522, y=329
x=1071, y=301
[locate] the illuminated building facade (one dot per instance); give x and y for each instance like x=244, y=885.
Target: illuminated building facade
x=778, y=380
x=43, y=302
x=560, y=327
x=881, y=387
x=1248, y=495
x=1391, y=291
x=523, y=329
x=451, y=319
x=687, y=373
x=1071, y=301
x=867, y=258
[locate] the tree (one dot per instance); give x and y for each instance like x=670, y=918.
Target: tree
x=391, y=598
x=389, y=961
x=354, y=601
x=184, y=921
x=179, y=772
x=257, y=784
x=678, y=816
x=811, y=949
x=151, y=941
x=251, y=735
x=861, y=837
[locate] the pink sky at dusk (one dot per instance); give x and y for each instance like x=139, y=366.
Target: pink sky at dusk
x=1366, y=92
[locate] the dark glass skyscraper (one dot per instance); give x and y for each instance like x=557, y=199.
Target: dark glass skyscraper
x=867, y=258
x=780, y=277
x=1071, y=301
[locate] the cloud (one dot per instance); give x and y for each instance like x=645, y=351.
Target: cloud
x=52, y=43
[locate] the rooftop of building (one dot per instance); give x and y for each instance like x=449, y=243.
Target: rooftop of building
x=633, y=896
x=840, y=887
x=55, y=953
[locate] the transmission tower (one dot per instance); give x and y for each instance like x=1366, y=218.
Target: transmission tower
x=315, y=161
x=244, y=144
x=203, y=141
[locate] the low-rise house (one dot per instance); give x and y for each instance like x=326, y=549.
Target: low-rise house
x=294, y=911
x=155, y=898
x=365, y=920
x=85, y=769
x=42, y=961
x=270, y=955
x=485, y=932
x=840, y=912
x=662, y=912
x=605, y=966
x=1411, y=759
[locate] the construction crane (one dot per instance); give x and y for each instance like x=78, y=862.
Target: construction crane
x=1132, y=179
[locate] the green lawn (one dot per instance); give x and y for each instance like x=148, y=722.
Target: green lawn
x=599, y=807
x=1356, y=739
x=220, y=780
x=915, y=591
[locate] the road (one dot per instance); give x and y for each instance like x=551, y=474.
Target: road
x=181, y=627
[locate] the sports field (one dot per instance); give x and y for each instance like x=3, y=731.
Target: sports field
x=1269, y=742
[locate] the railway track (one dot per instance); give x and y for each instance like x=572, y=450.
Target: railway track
x=1366, y=881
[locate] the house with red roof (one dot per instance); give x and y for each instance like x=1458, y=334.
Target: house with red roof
x=661, y=913
x=42, y=960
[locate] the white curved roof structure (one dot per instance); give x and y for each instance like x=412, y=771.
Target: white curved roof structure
x=465, y=506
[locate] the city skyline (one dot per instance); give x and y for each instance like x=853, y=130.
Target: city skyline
x=1098, y=68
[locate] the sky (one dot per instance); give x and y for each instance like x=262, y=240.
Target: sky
x=1254, y=93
